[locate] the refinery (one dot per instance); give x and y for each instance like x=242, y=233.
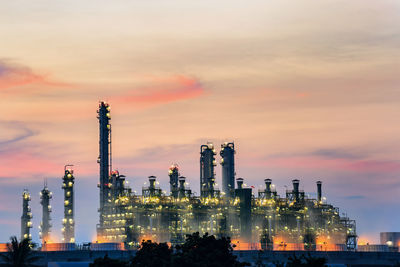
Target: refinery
x=260, y=220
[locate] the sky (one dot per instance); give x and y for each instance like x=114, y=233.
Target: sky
x=306, y=90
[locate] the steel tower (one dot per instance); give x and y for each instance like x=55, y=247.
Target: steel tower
x=207, y=164
x=104, y=160
x=68, y=229
x=26, y=223
x=228, y=168
x=173, y=174
x=45, y=196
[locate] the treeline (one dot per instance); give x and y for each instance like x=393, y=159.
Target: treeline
x=197, y=251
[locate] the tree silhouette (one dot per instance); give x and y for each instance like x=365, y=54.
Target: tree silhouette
x=152, y=254
x=108, y=262
x=205, y=251
x=19, y=253
x=306, y=261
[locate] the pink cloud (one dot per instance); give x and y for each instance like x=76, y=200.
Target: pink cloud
x=14, y=76
x=315, y=162
x=164, y=90
x=28, y=166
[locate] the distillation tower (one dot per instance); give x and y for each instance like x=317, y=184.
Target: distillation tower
x=68, y=229
x=104, y=161
x=26, y=218
x=207, y=165
x=45, y=196
x=173, y=174
x=228, y=168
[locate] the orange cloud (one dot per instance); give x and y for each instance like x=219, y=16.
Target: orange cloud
x=164, y=90
x=13, y=76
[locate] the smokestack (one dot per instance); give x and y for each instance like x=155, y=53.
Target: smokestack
x=268, y=187
x=296, y=188
x=319, y=191
x=244, y=195
x=239, y=182
x=152, y=182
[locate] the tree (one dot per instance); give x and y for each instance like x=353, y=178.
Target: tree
x=205, y=251
x=19, y=253
x=306, y=261
x=152, y=254
x=314, y=261
x=108, y=262
x=294, y=261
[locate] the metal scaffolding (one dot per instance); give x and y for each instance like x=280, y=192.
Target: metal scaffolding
x=45, y=196
x=68, y=222
x=26, y=218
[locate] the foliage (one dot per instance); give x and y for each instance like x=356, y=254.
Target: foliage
x=108, y=262
x=306, y=261
x=205, y=251
x=294, y=261
x=153, y=254
x=19, y=253
x=197, y=251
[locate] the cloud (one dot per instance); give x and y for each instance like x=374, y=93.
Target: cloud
x=335, y=153
x=163, y=90
x=331, y=159
x=13, y=76
x=355, y=197
x=19, y=131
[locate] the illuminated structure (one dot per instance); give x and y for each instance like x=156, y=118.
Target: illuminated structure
x=228, y=168
x=45, y=196
x=273, y=222
x=26, y=218
x=173, y=174
x=68, y=222
x=104, y=161
x=207, y=164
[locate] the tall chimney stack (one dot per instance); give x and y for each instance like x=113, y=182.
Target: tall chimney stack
x=296, y=189
x=268, y=187
x=319, y=190
x=239, y=182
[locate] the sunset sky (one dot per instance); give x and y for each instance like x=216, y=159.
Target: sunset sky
x=306, y=89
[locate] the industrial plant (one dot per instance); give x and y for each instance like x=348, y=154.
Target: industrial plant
x=267, y=220
x=253, y=220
